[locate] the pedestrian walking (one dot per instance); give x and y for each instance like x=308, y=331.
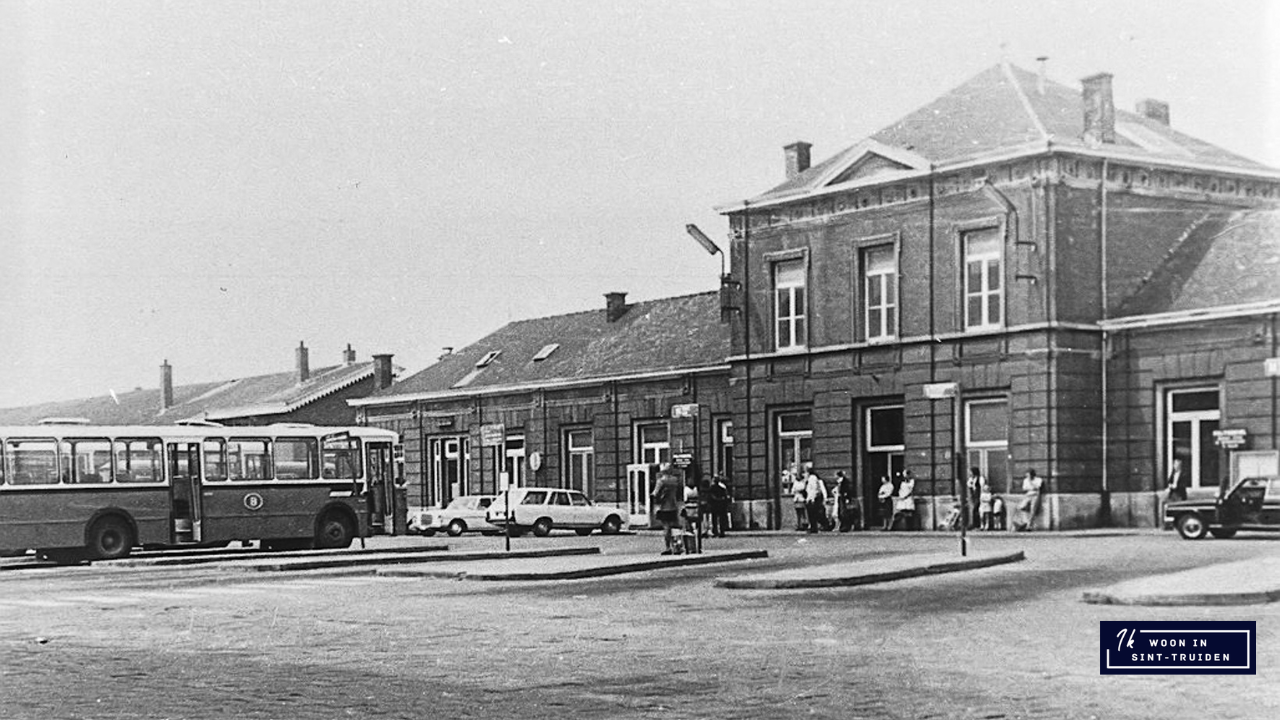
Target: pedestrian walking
x=1029, y=505
x=720, y=502
x=667, y=498
x=691, y=518
x=815, y=492
x=885, y=496
x=904, y=505
x=797, y=498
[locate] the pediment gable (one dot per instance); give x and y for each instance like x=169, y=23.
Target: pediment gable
x=870, y=160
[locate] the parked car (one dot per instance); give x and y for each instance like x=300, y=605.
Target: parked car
x=462, y=514
x=544, y=509
x=1253, y=504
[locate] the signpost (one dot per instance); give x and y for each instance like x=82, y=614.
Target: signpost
x=1231, y=439
x=940, y=391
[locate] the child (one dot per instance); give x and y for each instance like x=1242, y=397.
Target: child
x=984, y=508
x=997, y=513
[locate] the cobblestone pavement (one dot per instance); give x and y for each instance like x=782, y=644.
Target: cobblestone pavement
x=1013, y=641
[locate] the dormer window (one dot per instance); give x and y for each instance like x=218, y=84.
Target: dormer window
x=488, y=358
x=546, y=351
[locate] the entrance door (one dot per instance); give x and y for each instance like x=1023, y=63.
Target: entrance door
x=1192, y=416
x=639, y=488
x=449, y=457
x=184, y=491
x=883, y=451
x=381, y=488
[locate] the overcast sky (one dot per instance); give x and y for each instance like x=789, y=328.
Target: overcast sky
x=212, y=183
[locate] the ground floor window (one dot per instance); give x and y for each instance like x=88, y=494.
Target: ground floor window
x=723, y=461
x=986, y=441
x=793, y=442
x=513, y=461
x=580, y=463
x=653, y=443
x=1191, y=417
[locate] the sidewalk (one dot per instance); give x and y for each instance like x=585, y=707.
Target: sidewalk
x=864, y=572
x=566, y=567
x=1247, y=582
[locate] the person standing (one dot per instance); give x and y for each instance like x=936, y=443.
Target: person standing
x=667, y=498
x=885, y=496
x=1029, y=506
x=815, y=493
x=719, y=505
x=797, y=498
x=976, y=485
x=904, y=504
x=1178, y=482
x=847, y=505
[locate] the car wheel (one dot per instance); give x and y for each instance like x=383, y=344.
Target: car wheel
x=612, y=525
x=542, y=527
x=109, y=539
x=1191, y=526
x=456, y=528
x=429, y=532
x=1223, y=533
x=583, y=531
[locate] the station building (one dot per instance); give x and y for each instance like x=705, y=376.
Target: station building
x=589, y=400
x=1018, y=275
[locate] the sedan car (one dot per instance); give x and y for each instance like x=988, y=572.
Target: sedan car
x=460, y=515
x=1252, y=504
x=544, y=509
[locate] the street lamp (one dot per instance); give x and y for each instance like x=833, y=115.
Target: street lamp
x=706, y=243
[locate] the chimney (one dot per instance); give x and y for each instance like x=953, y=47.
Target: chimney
x=445, y=352
x=615, y=305
x=1043, y=77
x=1157, y=110
x=304, y=364
x=166, y=386
x=797, y=158
x=381, y=371
x=348, y=356
x=1099, y=110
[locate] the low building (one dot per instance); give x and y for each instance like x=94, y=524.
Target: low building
x=305, y=395
x=588, y=400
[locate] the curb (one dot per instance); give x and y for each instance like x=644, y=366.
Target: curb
x=404, y=559
x=1260, y=597
x=581, y=573
x=765, y=583
x=212, y=556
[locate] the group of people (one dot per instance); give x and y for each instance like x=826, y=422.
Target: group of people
x=809, y=496
x=690, y=508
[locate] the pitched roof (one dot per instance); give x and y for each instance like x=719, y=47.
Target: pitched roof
x=998, y=110
x=667, y=334
x=243, y=397
x=1226, y=259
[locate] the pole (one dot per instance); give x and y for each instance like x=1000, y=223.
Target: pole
x=506, y=508
x=957, y=464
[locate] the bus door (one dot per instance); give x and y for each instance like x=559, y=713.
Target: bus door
x=380, y=496
x=184, y=491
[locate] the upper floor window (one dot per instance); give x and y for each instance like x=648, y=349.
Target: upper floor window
x=789, y=304
x=880, y=282
x=983, y=274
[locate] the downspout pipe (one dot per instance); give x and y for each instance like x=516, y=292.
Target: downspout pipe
x=1104, y=508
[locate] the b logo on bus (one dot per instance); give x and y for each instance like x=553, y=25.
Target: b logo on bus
x=253, y=501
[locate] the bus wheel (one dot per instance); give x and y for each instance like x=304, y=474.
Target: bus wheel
x=110, y=539
x=335, y=532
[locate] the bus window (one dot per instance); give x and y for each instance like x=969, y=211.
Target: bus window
x=89, y=459
x=32, y=462
x=295, y=458
x=342, y=459
x=248, y=460
x=138, y=460
x=215, y=460
x=2, y=464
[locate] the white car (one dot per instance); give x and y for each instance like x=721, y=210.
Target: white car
x=544, y=509
x=465, y=513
